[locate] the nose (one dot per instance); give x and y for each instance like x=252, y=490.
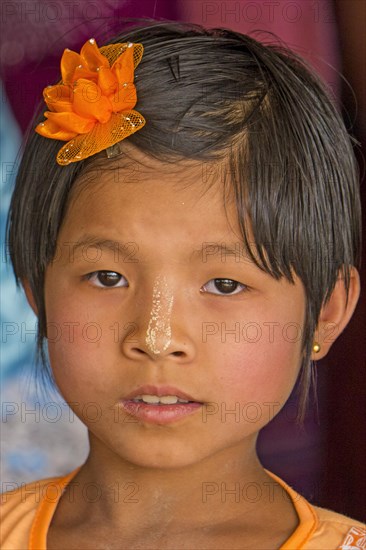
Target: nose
x=161, y=330
x=179, y=350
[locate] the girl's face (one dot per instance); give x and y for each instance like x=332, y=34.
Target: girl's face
x=142, y=292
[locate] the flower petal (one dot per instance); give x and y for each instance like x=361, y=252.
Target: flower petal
x=123, y=67
x=89, y=102
x=51, y=130
x=69, y=61
x=71, y=122
x=58, y=98
x=124, y=98
x=83, y=72
x=91, y=57
x=107, y=82
x=101, y=137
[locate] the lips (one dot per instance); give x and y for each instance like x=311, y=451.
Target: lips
x=159, y=391
x=161, y=413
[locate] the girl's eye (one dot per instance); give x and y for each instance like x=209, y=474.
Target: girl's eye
x=105, y=279
x=224, y=287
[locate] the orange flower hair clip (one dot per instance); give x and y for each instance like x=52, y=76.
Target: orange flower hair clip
x=92, y=107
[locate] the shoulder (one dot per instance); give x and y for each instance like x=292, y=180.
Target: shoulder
x=336, y=531
x=322, y=529
x=18, y=507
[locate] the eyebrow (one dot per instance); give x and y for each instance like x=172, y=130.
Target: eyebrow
x=215, y=249
x=93, y=241
x=122, y=251
x=207, y=250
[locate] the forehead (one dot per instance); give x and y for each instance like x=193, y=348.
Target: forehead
x=136, y=176
x=162, y=206
x=135, y=166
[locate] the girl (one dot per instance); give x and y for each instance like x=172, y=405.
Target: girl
x=187, y=260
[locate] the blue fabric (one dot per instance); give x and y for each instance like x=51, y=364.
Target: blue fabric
x=17, y=319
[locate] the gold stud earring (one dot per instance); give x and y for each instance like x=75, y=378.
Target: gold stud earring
x=316, y=347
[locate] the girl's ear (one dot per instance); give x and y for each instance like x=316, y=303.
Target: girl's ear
x=336, y=313
x=29, y=296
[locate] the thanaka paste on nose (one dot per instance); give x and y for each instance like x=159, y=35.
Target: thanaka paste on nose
x=159, y=332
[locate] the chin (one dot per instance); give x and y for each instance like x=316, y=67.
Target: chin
x=156, y=454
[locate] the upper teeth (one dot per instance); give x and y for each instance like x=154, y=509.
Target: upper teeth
x=165, y=399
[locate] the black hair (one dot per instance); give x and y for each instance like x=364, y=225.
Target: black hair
x=218, y=95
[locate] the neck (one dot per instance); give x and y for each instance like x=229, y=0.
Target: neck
x=228, y=481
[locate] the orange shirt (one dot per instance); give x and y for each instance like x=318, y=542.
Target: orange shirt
x=26, y=513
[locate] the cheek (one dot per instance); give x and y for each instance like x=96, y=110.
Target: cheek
x=78, y=338
x=263, y=366
x=262, y=373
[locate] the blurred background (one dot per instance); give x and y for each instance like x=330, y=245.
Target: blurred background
x=324, y=460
